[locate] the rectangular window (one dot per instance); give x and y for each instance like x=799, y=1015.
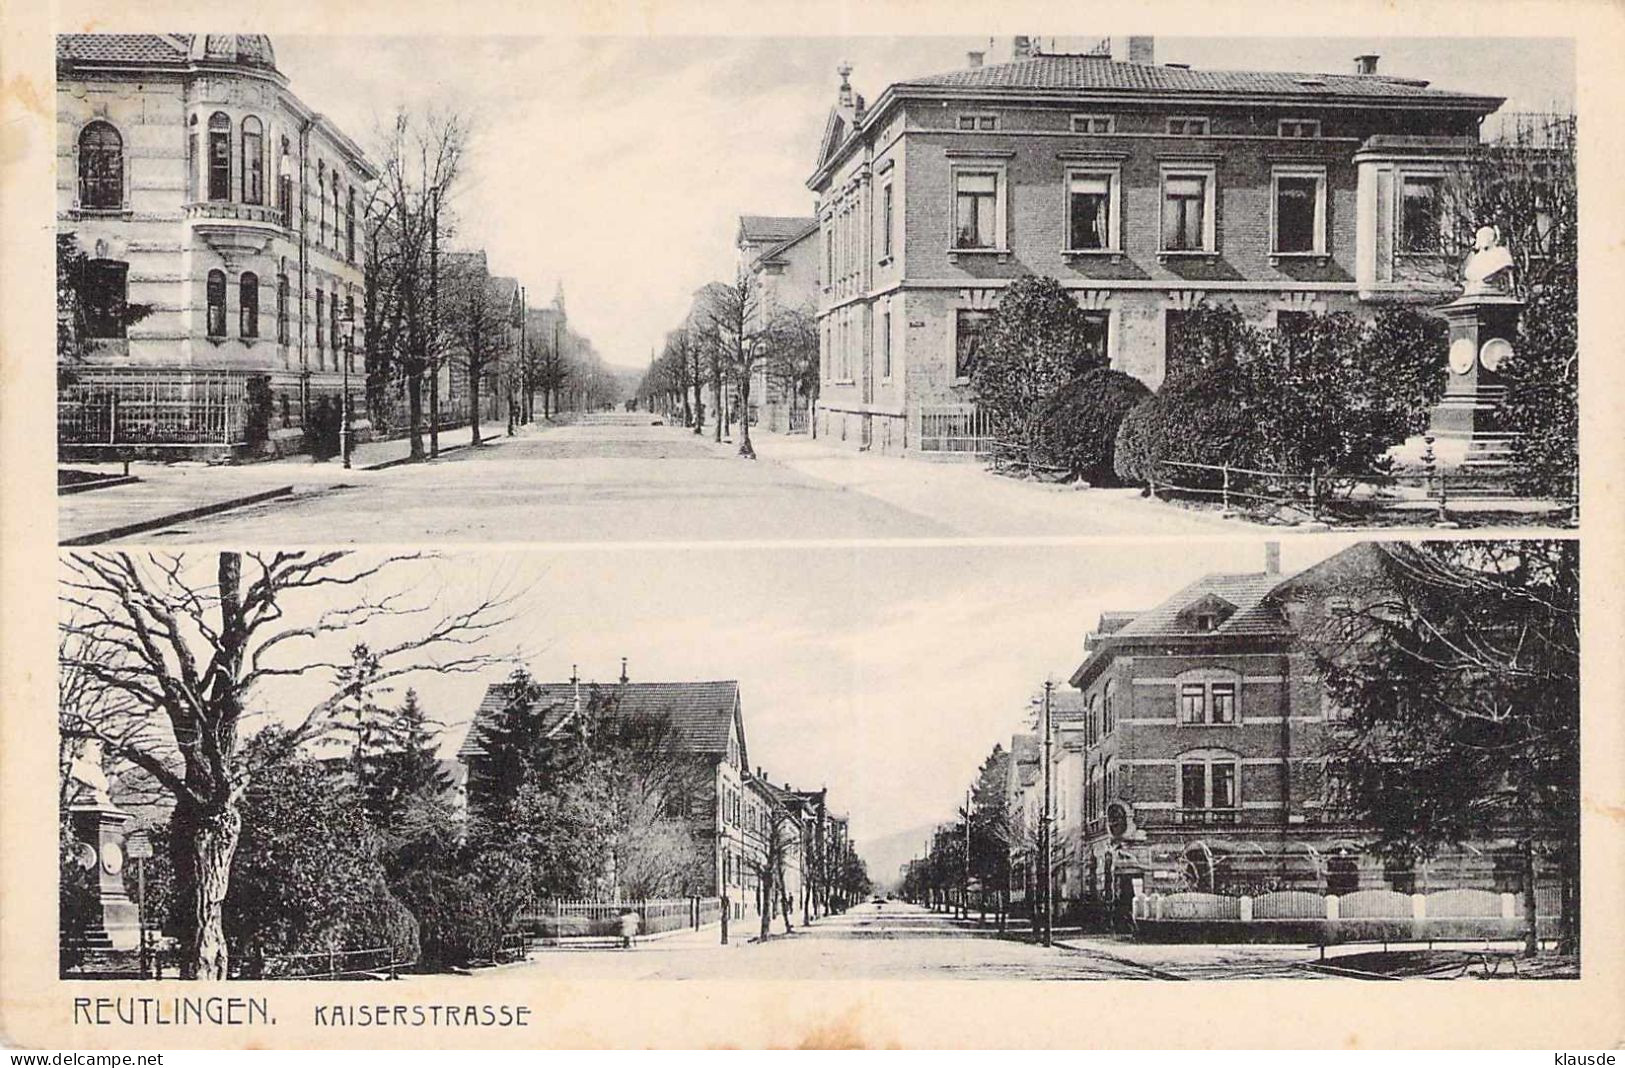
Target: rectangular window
x=1224, y=785
x=886, y=222
x=106, y=288
x=976, y=197
x=968, y=326
x=1193, y=703
x=1187, y=126
x=885, y=344
x=1300, y=213
x=282, y=309
x=1299, y=128
x=1096, y=336
x=321, y=319
x=979, y=122
x=1224, y=702
x=1094, y=124
x=1421, y=214
x=1089, y=207
x=1184, y=206
x=1193, y=786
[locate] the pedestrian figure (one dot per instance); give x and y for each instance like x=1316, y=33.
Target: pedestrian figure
x=629, y=927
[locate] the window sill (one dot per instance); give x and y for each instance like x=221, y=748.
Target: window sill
x=1116, y=254
x=1187, y=254
x=1319, y=259
x=1001, y=254
x=1221, y=726
x=103, y=213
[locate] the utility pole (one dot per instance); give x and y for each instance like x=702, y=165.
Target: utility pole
x=1044, y=834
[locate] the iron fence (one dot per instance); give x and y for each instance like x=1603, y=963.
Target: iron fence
x=587, y=918
x=157, y=406
x=950, y=428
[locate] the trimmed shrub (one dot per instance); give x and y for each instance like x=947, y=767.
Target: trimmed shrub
x=1078, y=425
x=1139, y=441
x=381, y=919
x=456, y=919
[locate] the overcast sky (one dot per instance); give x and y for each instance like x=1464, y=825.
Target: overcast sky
x=620, y=164
x=884, y=673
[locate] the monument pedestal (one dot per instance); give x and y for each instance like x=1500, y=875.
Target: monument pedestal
x=117, y=923
x=1466, y=424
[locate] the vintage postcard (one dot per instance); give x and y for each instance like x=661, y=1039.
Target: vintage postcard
x=644, y=528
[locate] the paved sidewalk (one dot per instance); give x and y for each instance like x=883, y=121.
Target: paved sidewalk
x=975, y=502
x=168, y=495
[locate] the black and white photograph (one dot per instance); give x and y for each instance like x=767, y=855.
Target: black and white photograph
x=723, y=526
x=1360, y=763
x=573, y=290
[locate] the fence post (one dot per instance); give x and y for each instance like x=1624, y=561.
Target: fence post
x=1333, y=911
x=1228, y=512
x=112, y=417
x=1246, y=908
x=1314, y=494
x=1151, y=479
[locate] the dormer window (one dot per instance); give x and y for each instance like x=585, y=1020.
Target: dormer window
x=1206, y=615
x=1207, y=621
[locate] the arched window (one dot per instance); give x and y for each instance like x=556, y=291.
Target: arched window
x=217, y=304
x=284, y=185
x=191, y=159
x=1106, y=719
x=219, y=156
x=349, y=345
x=248, y=305
x=253, y=161
x=101, y=167
x=321, y=203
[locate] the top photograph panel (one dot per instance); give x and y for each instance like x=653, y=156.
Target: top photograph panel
x=390, y=289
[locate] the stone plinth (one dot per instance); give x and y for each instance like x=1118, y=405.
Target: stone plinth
x=117, y=924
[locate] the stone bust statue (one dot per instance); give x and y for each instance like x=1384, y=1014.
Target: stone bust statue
x=1489, y=267
x=89, y=776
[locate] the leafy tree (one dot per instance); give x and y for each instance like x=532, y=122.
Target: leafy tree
x=738, y=343
x=475, y=318
x=73, y=322
x=1458, y=667
x=307, y=867
x=1036, y=341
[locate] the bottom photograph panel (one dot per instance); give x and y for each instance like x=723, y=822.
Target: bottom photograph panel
x=1317, y=759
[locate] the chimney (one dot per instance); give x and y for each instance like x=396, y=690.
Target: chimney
x=974, y=59
x=1272, y=558
x=1021, y=47
x=623, y=671
x=845, y=93
x=1366, y=64
x=1142, y=50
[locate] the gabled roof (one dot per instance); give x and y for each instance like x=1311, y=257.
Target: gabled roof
x=754, y=229
x=702, y=714
x=1246, y=592
x=774, y=253
x=1087, y=72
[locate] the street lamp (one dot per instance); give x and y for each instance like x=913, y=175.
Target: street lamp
x=347, y=320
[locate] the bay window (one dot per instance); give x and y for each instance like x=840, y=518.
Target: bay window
x=1421, y=214
x=253, y=161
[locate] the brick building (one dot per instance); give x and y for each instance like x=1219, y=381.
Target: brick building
x=1145, y=189
x=199, y=184
x=1202, y=751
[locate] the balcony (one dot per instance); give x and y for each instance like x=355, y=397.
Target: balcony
x=233, y=229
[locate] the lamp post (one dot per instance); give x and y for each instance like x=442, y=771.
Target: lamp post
x=347, y=320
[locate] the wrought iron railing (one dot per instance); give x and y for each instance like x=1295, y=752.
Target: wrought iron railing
x=152, y=406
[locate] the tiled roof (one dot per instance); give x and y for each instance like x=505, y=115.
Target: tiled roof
x=1245, y=592
x=124, y=47
x=1066, y=706
x=701, y=713
x=775, y=228
x=1098, y=73
x=1024, y=748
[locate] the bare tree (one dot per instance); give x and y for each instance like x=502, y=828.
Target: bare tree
x=180, y=657
x=792, y=355
x=738, y=342
x=475, y=325
x=422, y=161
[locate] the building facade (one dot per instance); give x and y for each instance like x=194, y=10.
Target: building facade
x=781, y=254
x=200, y=186
x=1145, y=189
x=1204, y=759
